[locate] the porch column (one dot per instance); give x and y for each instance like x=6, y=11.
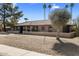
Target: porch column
x=30, y=28
x=25, y=28
x=39, y=28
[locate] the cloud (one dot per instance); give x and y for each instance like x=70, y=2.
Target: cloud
x=55, y=6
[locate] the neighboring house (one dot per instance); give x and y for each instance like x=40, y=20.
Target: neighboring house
x=41, y=26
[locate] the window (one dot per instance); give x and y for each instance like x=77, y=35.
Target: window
x=28, y=28
x=43, y=28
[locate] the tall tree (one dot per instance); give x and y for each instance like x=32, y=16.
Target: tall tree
x=44, y=7
x=70, y=5
x=59, y=18
x=9, y=14
x=71, y=8
x=4, y=12
x=25, y=19
x=49, y=6
x=66, y=6
x=15, y=16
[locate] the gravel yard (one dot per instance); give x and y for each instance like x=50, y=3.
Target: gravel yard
x=42, y=44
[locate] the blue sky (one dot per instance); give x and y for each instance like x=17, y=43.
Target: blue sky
x=34, y=11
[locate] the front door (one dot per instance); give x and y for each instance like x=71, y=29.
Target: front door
x=21, y=29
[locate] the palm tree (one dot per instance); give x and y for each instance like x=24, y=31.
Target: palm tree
x=44, y=7
x=71, y=8
x=25, y=19
x=66, y=6
x=49, y=6
x=59, y=18
x=71, y=5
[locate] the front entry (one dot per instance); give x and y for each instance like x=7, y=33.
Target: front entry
x=21, y=29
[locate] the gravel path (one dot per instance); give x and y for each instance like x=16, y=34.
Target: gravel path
x=42, y=44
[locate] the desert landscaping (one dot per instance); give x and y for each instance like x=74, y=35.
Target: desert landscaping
x=40, y=29
x=42, y=44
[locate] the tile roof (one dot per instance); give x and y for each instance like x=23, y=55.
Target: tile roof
x=38, y=22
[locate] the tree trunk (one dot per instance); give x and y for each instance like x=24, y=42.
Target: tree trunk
x=58, y=37
x=71, y=12
x=4, y=27
x=4, y=22
x=49, y=11
x=44, y=14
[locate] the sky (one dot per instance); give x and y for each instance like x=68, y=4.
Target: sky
x=34, y=11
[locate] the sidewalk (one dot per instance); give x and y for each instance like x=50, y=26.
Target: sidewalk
x=12, y=51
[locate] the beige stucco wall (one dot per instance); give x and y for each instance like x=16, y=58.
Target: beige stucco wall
x=46, y=28
x=41, y=30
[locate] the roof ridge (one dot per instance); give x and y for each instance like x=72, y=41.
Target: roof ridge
x=35, y=21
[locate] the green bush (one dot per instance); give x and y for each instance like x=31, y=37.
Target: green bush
x=77, y=27
x=77, y=31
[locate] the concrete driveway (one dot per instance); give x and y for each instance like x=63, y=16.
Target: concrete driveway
x=12, y=51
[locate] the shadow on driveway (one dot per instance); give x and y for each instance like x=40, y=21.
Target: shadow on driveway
x=68, y=49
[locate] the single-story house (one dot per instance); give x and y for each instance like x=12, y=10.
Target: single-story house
x=41, y=26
